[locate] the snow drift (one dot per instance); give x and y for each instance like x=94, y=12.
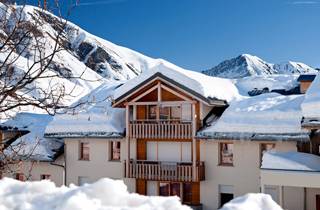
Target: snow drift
x=105, y=194
x=252, y=201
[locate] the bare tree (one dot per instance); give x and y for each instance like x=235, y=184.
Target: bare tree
x=27, y=57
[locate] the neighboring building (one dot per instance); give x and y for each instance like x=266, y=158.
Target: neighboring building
x=31, y=157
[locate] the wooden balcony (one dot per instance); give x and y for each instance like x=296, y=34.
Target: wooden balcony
x=166, y=171
x=160, y=129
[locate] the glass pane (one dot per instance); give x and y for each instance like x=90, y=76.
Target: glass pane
x=175, y=189
x=226, y=153
x=186, y=112
x=187, y=192
x=175, y=112
x=164, y=189
x=164, y=113
x=152, y=112
x=115, y=150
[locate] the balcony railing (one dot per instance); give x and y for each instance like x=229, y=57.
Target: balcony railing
x=156, y=129
x=165, y=171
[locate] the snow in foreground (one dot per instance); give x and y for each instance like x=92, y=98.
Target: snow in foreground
x=252, y=201
x=105, y=194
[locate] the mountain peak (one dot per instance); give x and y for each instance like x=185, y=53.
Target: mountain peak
x=250, y=65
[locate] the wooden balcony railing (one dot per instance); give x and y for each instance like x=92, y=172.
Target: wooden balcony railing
x=167, y=129
x=165, y=171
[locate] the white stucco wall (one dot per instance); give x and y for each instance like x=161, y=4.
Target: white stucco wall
x=33, y=170
x=244, y=176
x=99, y=166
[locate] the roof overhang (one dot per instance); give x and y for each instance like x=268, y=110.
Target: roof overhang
x=118, y=102
x=310, y=123
x=298, y=137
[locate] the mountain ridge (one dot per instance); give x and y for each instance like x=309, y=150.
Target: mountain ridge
x=250, y=65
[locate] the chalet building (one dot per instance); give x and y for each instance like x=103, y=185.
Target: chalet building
x=175, y=132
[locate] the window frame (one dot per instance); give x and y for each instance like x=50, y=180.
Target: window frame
x=18, y=176
x=82, y=157
x=221, y=163
x=111, y=157
x=261, y=145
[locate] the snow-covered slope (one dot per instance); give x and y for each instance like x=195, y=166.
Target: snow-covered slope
x=249, y=65
x=93, y=59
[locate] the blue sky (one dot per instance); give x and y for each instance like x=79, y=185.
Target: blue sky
x=198, y=34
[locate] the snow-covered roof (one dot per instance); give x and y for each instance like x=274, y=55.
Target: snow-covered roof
x=311, y=103
x=297, y=161
x=33, y=145
x=206, y=86
x=267, y=116
x=95, y=118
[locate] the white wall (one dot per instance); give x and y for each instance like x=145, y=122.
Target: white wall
x=33, y=170
x=244, y=176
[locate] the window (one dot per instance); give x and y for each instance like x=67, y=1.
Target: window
x=115, y=150
x=44, y=176
x=226, y=154
x=164, y=113
x=84, y=151
x=187, y=192
x=152, y=112
x=264, y=147
x=20, y=176
x=182, y=190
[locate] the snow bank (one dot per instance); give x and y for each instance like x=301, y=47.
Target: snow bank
x=95, y=117
x=266, y=113
x=105, y=194
x=291, y=161
x=311, y=103
x=252, y=201
x=33, y=144
x=207, y=86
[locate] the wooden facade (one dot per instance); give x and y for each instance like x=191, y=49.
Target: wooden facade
x=159, y=111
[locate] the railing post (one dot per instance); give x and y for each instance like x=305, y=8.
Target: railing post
x=127, y=141
x=194, y=143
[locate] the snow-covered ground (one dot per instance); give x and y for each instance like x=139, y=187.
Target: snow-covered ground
x=105, y=194
x=252, y=201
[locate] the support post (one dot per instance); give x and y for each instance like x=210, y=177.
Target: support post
x=281, y=202
x=127, y=141
x=194, y=143
x=262, y=188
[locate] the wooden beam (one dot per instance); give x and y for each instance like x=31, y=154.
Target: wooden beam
x=145, y=93
x=175, y=93
x=169, y=103
x=127, y=141
x=194, y=143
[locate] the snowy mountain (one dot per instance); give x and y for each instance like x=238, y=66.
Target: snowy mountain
x=249, y=65
x=84, y=55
